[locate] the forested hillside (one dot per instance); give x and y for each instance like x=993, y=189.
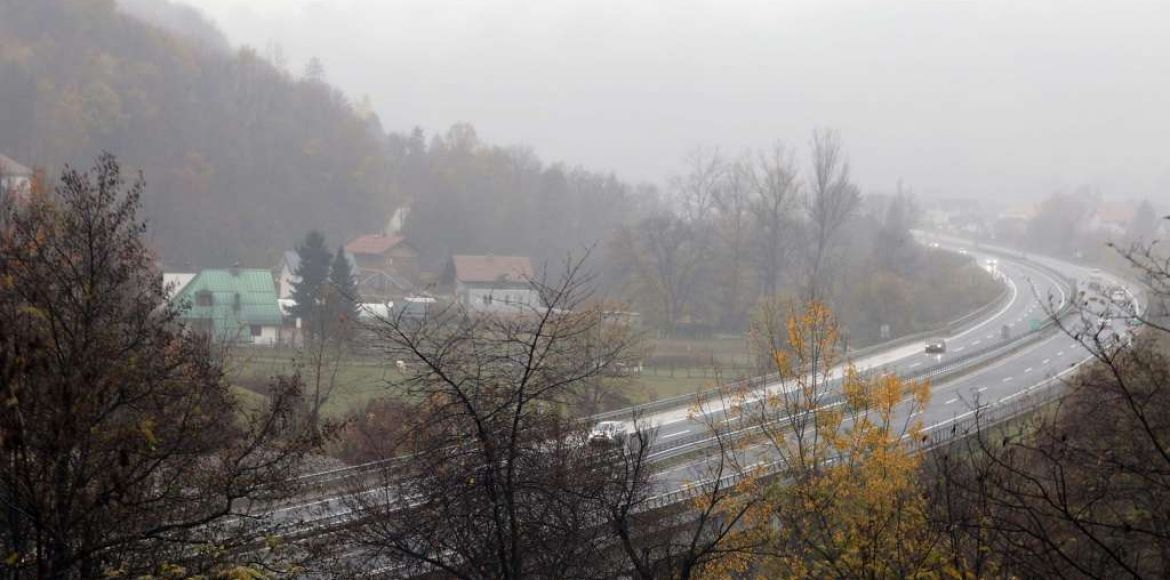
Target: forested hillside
x=470, y=197
x=239, y=157
x=242, y=158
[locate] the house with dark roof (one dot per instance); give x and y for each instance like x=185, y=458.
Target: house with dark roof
x=493, y=283
x=236, y=306
x=387, y=265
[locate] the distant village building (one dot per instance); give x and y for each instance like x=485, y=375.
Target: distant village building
x=15, y=179
x=174, y=282
x=286, y=277
x=397, y=221
x=414, y=307
x=236, y=306
x=1112, y=218
x=497, y=284
x=387, y=265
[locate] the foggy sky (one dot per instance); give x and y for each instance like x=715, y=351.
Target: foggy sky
x=993, y=98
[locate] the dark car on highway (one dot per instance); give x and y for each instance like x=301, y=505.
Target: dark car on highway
x=936, y=345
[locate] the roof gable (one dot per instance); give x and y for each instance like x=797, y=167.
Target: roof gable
x=257, y=302
x=492, y=269
x=374, y=244
x=8, y=166
x=175, y=282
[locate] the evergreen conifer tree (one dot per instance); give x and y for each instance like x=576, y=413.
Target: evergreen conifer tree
x=342, y=301
x=311, y=273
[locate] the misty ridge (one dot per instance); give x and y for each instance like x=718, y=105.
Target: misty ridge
x=252, y=156
x=789, y=291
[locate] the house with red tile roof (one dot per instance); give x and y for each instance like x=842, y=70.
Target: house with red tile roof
x=387, y=265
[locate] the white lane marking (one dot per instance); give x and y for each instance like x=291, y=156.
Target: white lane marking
x=976, y=343
x=1011, y=302
x=1007, y=379
x=915, y=364
x=675, y=434
x=1045, y=361
x=1061, y=353
x=673, y=421
x=981, y=389
x=950, y=401
x=989, y=336
x=960, y=348
x=1028, y=370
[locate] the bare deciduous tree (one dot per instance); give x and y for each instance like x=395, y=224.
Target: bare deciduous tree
x=496, y=478
x=500, y=480
x=666, y=263
x=831, y=201
x=775, y=185
x=698, y=190
x=122, y=445
x=1080, y=487
x=693, y=538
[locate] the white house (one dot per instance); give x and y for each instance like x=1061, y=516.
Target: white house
x=288, y=267
x=174, y=282
x=15, y=179
x=496, y=284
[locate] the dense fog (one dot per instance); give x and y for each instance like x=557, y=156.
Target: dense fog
x=1000, y=99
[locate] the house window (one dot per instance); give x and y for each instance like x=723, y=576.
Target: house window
x=203, y=298
x=257, y=330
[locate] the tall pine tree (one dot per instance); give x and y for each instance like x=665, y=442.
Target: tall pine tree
x=342, y=301
x=311, y=273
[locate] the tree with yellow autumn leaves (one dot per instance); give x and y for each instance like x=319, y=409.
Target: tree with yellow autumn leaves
x=830, y=474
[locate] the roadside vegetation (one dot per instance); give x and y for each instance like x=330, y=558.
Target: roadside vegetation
x=830, y=485
x=123, y=450
x=133, y=446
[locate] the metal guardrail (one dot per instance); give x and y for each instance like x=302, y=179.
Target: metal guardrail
x=1036, y=396
x=1045, y=393
x=682, y=445
x=940, y=371
x=1040, y=395
x=675, y=402
x=950, y=328
x=990, y=414
x=948, y=367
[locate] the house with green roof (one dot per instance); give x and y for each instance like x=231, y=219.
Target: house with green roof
x=235, y=305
